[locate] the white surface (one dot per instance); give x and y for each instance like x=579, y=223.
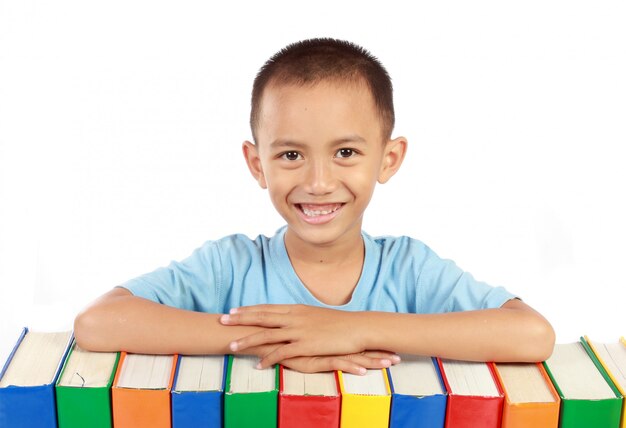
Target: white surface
x=121, y=125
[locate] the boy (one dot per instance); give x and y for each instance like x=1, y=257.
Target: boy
x=321, y=294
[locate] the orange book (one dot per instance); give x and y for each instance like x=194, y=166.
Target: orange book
x=141, y=391
x=530, y=397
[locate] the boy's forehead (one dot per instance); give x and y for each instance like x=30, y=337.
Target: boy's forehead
x=288, y=105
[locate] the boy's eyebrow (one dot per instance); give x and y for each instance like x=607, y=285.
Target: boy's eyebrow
x=280, y=143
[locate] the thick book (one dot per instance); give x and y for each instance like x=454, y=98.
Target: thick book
x=198, y=392
x=365, y=400
x=418, y=395
x=27, y=380
x=588, y=399
x=251, y=395
x=141, y=391
x=308, y=400
x=530, y=400
x=475, y=398
x=612, y=357
x=83, y=390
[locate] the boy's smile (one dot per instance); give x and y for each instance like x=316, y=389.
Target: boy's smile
x=320, y=152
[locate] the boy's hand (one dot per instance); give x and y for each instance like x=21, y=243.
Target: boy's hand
x=354, y=363
x=301, y=331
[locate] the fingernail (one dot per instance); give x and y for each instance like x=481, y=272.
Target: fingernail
x=224, y=319
x=258, y=366
x=233, y=346
x=362, y=370
x=396, y=358
x=233, y=310
x=385, y=362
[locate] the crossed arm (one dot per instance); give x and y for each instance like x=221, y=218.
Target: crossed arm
x=312, y=339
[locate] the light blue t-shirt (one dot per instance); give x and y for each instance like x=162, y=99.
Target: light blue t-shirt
x=400, y=274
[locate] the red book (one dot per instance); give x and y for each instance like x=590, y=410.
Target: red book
x=475, y=398
x=308, y=400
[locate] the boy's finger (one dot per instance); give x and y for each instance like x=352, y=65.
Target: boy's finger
x=261, y=319
x=279, y=354
x=395, y=358
x=370, y=363
x=279, y=309
x=264, y=337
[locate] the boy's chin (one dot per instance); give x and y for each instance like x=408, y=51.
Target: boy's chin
x=320, y=236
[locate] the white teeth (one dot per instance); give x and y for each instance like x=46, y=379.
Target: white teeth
x=315, y=213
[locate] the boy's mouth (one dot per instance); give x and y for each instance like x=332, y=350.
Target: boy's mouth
x=316, y=210
x=318, y=214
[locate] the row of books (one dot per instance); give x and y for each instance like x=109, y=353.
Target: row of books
x=48, y=381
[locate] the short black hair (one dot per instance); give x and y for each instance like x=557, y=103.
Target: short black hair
x=325, y=59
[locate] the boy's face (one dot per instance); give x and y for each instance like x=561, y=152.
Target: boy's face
x=320, y=153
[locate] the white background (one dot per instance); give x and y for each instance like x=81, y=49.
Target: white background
x=121, y=124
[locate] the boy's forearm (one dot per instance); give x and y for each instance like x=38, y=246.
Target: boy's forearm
x=504, y=334
x=119, y=321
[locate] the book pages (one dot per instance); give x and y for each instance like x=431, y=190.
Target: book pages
x=146, y=371
x=245, y=377
x=524, y=383
x=36, y=360
x=371, y=383
x=470, y=378
x=320, y=384
x=85, y=369
x=576, y=374
x=415, y=375
x=200, y=373
x=613, y=355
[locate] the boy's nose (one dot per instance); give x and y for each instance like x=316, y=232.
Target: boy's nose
x=320, y=179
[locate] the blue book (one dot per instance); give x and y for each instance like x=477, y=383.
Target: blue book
x=418, y=394
x=198, y=391
x=28, y=377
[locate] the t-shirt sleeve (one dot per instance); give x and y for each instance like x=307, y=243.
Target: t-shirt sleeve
x=447, y=288
x=191, y=284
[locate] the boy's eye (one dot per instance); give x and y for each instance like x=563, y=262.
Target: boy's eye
x=291, y=156
x=345, y=153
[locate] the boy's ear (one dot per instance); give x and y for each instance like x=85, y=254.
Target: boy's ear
x=251, y=154
x=392, y=158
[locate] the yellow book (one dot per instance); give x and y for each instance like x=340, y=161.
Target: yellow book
x=365, y=400
x=612, y=356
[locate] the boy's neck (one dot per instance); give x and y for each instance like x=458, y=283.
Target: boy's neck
x=330, y=272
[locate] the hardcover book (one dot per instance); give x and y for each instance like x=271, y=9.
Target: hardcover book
x=84, y=389
x=28, y=377
x=474, y=396
x=308, y=400
x=365, y=400
x=198, y=392
x=588, y=399
x=141, y=391
x=530, y=400
x=418, y=395
x=251, y=395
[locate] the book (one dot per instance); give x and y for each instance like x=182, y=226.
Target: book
x=587, y=398
x=612, y=357
x=83, y=389
x=474, y=396
x=141, y=391
x=308, y=400
x=365, y=400
x=418, y=395
x=28, y=377
x=198, y=391
x=530, y=400
x=251, y=395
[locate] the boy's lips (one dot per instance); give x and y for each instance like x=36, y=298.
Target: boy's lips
x=318, y=213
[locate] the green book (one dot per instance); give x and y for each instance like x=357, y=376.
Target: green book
x=83, y=390
x=588, y=397
x=251, y=395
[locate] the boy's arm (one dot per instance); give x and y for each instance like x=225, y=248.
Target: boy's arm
x=120, y=321
x=514, y=332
